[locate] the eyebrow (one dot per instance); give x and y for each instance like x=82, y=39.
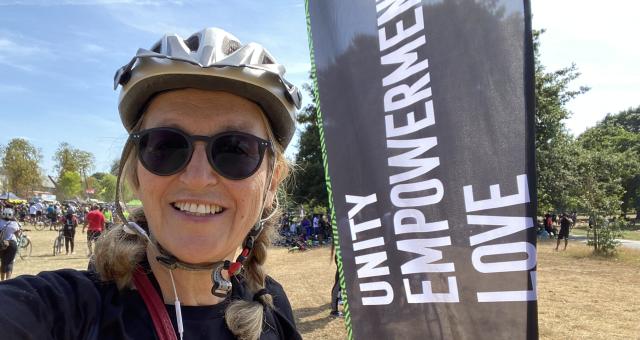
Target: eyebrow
x=231, y=126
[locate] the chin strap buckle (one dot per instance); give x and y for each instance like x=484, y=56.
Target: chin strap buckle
x=221, y=286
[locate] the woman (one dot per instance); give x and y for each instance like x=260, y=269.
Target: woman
x=208, y=120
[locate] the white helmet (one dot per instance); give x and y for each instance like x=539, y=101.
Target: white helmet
x=7, y=213
x=211, y=59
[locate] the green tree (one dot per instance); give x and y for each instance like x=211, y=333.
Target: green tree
x=310, y=183
x=69, y=185
x=553, y=144
x=70, y=159
x=65, y=159
x=21, y=166
x=619, y=135
x=108, y=184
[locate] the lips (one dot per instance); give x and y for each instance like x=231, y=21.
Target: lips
x=197, y=208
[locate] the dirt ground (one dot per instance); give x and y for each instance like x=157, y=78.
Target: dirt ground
x=580, y=297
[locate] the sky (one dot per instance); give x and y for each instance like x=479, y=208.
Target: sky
x=58, y=58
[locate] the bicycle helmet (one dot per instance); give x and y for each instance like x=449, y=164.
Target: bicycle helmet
x=211, y=59
x=7, y=213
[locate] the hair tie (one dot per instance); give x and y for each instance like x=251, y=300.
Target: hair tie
x=258, y=294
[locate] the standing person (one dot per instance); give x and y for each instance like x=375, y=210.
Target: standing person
x=208, y=119
x=316, y=225
x=69, y=231
x=306, y=225
x=335, y=290
x=51, y=216
x=33, y=213
x=108, y=217
x=9, y=246
x=95, y=220
x=565, y=224
x=39, y=211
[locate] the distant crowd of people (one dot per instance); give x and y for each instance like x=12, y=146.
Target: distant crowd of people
x=550, y=224
x=53, y=213
x=313, y=228
x=65, y=218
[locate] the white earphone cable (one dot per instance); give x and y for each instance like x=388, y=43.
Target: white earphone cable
x=177, y=306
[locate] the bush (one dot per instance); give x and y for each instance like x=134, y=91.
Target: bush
x=603, y=236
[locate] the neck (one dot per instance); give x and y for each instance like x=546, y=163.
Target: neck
x=193, y=287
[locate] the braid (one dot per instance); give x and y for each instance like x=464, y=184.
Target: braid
x=245, y=318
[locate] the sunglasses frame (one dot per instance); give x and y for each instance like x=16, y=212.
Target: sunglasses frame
x=263, y=145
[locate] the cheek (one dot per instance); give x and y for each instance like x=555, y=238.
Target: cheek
x=149, y=187
x=249, y=198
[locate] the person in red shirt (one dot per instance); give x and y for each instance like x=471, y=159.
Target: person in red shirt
x=95, y=220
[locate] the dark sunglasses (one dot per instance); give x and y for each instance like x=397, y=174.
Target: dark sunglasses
x=166, y=151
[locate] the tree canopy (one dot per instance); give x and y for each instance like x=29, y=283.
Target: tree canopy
x=309, y=181
x=67, y=158
x=69, y=185
x=20, y=165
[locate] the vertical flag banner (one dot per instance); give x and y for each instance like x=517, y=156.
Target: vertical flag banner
x=427, y=127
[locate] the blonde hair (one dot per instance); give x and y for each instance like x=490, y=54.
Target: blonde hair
x=118, y=253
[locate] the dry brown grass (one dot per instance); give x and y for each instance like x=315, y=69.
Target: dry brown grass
x=42, y=256
x=580, y=297
x=585, y=297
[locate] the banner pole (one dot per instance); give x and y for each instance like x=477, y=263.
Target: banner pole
x=325, y=165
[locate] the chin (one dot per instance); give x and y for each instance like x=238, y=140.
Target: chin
x=196, y=251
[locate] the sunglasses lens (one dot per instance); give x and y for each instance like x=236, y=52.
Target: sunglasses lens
x=163, y=152
x=236, y=156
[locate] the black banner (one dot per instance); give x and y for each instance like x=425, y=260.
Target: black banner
x=428, y=132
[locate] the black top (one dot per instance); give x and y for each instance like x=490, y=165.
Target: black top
x=71, y=304
x=565, y=223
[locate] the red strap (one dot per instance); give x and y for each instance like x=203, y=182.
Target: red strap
x=155, y=306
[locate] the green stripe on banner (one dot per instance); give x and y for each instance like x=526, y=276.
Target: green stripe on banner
x=334, y=225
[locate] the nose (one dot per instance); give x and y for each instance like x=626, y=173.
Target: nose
x=199, y=173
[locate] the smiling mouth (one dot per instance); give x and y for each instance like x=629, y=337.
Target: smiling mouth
x=197, y=209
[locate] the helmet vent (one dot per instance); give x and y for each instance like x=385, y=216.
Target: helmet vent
x=193, y=43
x=156, y=47
x=229, y=46
x=267, y=60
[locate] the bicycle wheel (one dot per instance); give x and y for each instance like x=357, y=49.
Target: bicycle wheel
x=38, y=226
x=25, y=248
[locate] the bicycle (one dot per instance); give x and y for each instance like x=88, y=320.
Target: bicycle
x=58, y=243
x=25, y=245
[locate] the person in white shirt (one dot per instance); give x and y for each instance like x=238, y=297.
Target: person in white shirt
x=9, y=245
x=32, y=212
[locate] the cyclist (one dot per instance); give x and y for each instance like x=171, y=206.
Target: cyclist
x=9, y=245
x=96, y=222
x=108, y=217
x=33, y=213
x=70, y=222
x=39, y=209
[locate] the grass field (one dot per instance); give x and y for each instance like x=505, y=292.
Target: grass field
x=580, y=297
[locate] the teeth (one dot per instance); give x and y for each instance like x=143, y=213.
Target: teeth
x=198, y=209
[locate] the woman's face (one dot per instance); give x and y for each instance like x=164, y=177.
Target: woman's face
x=194, y=238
